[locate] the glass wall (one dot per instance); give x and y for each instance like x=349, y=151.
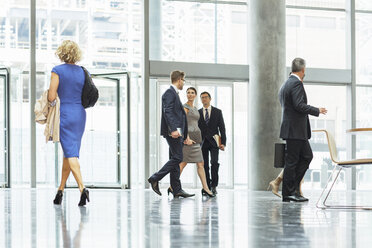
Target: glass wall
x=334, y=99
x=363, y=48
x=363, y=91
x=363, y=5
x=110, y=35
x=334, y=4
x=108, y=32
x=364, y=140
x=198, y=32
x=318, y=36
x=14, y=50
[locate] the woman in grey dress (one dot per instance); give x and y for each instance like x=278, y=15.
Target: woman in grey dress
x=192, y=150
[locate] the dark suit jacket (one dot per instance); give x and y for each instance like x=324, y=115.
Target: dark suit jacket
x=216, y=125
x=295, y=110
x=173, y=114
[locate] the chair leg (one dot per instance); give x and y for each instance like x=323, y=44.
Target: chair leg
x=326, y=186
x=326, y=206
x=330, y=189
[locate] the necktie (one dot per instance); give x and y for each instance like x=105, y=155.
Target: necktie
x=206, y=116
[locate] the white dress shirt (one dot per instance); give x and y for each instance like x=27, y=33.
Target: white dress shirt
x=292, y=74
x=176, y=89
x=209, y=111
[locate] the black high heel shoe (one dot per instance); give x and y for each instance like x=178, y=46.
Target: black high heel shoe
x=58, y=199
x=84, y=197
x=170, y=190
x=205, y=193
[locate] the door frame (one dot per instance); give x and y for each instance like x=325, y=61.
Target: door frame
x=6, y=77
x=114, y=76
x=199, y=82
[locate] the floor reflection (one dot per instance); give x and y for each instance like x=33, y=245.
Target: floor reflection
x=292, y=225
x=139, y=218
x=69, y=241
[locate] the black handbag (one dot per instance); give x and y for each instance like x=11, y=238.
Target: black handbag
x=279, y=157
x=90, y=94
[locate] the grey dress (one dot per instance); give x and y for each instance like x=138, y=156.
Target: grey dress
x=193, y=153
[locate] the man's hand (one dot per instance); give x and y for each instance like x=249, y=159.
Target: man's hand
x=189, y=142
x=222, y=147
x=323, y=111
x=175, y=134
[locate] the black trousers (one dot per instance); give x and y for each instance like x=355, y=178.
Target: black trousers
x=173, y=165
x=297, y=161
x=214, y=151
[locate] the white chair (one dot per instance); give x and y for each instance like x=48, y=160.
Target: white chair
x=340, y=165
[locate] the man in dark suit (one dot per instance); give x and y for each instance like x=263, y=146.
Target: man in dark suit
x=211, y=123
x=295, y=130
x=174, y=130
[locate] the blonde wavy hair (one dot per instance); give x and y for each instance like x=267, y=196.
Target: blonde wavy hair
x=69, y=52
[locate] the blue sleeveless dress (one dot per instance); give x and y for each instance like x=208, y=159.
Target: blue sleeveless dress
x=72, y=112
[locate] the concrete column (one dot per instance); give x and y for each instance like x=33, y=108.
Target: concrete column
x=267, y=74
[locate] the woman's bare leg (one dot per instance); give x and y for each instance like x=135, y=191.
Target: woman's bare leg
x=65, y=174
x=75, y=168
x=202, y=177
x=182, y=166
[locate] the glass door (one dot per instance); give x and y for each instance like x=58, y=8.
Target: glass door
x=4, y=130
x=103, y=153
x=222, y=98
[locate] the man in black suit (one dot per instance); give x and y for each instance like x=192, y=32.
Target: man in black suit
x=211, y=123
x=174, y=130
x=295, y=130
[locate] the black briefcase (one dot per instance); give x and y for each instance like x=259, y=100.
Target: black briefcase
x=279, y=156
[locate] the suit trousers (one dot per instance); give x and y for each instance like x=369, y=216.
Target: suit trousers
x=297, y=161
x=214, y=151
x=173, y=165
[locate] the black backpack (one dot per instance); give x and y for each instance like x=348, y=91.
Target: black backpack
x=90, y=95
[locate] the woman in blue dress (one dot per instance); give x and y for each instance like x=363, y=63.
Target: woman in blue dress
x=68, y=80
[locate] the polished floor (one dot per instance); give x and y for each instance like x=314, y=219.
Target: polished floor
x=139, y=218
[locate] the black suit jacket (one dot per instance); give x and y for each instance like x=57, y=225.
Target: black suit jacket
x=173, y=114
x=295, y=110
x=215, y=126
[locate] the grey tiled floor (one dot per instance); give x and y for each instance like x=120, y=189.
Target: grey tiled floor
x=139, y=218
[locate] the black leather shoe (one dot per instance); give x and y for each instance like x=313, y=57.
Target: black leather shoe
x=297, y=193
x=205, y=193
x=293, y=198
x=154, y=186
x=169, y=190
x=58, y=199
x=303, y=198
x=214, y=191
x=84, y=197
x=183, y=194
